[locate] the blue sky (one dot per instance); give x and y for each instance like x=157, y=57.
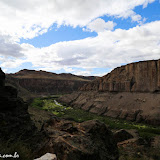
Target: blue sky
x=79, y=37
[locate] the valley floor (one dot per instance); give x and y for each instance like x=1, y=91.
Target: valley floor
x=144, y=145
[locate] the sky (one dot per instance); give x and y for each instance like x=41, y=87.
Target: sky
x=82, y=37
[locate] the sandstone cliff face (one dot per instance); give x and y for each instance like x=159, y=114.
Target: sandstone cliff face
x=135, y=77
x=46, y=83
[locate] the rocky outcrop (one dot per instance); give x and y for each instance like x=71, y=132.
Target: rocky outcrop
x=14, y=118
x=90, y=140
x=135, y=77
x=2, y=79
x=30, y=82
x=17, y=131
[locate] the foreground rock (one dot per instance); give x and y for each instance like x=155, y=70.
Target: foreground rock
x=122, y=135
x=89, y=140
x=14, y=118
x=47, y=156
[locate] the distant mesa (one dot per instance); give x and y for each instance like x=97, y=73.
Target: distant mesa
x=33, y=83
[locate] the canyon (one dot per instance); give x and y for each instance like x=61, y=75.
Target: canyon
x=128, y=92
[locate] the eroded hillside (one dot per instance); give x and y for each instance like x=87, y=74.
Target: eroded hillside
x=129, y=92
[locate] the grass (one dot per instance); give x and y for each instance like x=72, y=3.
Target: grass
x=79, y=115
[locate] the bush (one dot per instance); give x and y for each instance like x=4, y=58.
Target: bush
x=37, y=102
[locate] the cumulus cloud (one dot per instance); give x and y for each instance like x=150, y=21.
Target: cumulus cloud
x=11, y=53
x=70, y=61
x=99, y=25
x=27, y=19
x=136, y=17
x=108, y=50
x=12, y=63
x=9, y=47
x=85, y=73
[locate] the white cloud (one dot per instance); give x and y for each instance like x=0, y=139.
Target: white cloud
x=99, y=25
x=9, y=48
x=27, y=19
x=12, y=63
x=136, y=17
x=84, y=73
x=108, y=50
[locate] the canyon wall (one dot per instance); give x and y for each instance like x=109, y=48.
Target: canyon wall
x=135, y=77
x=32, y=83
x=46, y=86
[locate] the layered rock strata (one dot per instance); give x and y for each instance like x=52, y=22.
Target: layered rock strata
x=30, y=82
x=135, y=77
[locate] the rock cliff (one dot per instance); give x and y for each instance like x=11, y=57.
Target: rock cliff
x=135, y=77
x=129, y=92
x=14, y=117
x=45, y=83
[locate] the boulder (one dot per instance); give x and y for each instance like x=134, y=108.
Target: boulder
x=47, y=156
x=69, y=140
x=122, y=135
